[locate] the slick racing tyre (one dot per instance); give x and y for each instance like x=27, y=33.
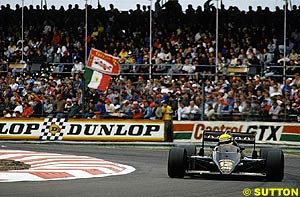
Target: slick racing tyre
x=177, y=162
x=264, y=151
x=275, y=165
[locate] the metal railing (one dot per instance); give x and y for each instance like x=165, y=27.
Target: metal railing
x=149, y=71
x=130, y=70
x=196, y=117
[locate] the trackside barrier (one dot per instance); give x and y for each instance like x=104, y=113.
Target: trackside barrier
x=267, y=132
x=54, y=129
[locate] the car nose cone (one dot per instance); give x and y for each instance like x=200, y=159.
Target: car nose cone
x=226, y=166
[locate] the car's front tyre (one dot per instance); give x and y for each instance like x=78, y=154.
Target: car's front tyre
x=177, y=162
x=191, y=150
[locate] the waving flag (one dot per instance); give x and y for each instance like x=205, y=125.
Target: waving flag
x=103, y=62
x=96, y=80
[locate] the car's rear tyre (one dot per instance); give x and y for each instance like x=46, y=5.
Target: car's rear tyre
x=177, y=162
x=191, y=150
x=275, y=165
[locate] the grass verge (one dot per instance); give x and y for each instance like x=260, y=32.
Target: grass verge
x=12, y=165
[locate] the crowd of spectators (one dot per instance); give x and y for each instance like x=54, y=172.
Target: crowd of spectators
x=183, y=50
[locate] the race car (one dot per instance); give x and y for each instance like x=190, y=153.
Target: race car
x=226, y=158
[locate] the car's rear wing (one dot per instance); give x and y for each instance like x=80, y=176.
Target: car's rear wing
x=241, y=138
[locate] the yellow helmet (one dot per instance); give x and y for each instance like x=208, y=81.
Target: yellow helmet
x=225, y=138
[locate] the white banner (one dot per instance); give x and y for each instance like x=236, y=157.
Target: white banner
x=265, y=131
x=81, y=129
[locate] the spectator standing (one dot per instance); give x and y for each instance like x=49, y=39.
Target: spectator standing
x=274, y=111
x=265, y=108
x=148, y=111
x=109, y=108
x=100, y=108
x=210, y=112
x=247, y=110
x=126, y=109
x=282, y=112
x=48, y=108
x=59, y=106
x=224, y=109
x=76, y=109
x=37, y=108
x=6, y=114
x=237, y=107
x=136, y=110
x=167, y=118
x=183, y=112
x=78, y=67
x=68, y=106
x=157, y=114
x=194, y=111
x=18, y=105
x=255, y=109
x=27, y=111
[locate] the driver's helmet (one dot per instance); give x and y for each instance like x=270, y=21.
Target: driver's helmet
x=225, y=138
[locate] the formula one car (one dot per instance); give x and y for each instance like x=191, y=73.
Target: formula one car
x=226, y=159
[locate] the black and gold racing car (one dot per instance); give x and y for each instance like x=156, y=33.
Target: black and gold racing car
x=226, y=159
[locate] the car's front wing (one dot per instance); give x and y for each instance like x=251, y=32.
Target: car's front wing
x=205, y=172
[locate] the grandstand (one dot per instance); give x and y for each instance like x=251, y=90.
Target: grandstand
x=252, y=73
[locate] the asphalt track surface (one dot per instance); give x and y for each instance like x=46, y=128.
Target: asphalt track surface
x=149, y=179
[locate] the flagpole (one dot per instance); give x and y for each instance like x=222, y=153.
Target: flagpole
x=85, y=59
x=284, y=41
x=217, y=39
x=150, y=41
x=86, y=33
x=22, y=34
